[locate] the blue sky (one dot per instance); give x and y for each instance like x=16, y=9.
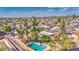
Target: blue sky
x=37, y=11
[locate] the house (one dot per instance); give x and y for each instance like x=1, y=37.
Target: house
x=57, y=29
x=77, y=29
x=14, y=33
x=46, y=33
x=76, y=33
x=75, y=36
x=45, y=26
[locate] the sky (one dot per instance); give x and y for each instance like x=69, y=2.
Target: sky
x=37, y=11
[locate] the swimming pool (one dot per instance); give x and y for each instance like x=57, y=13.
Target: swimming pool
x=37, y=47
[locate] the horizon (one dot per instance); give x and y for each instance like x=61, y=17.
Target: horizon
x=38, y=11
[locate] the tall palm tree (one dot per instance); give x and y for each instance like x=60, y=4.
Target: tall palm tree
x=34, y=29
x=24, y=25
x=64, y=40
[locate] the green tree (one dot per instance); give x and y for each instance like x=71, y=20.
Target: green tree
x=26, y=32
x=46, y=38
x=64, y=40
x=62, y=26
x=34, y=21
x=34, y=36
x=20, y=33
x=34, y=29
x=6, y=29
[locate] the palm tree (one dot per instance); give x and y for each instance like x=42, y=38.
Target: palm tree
x=26, y=32
x=64, y=40
x=34, y=21
x=62, y=26
x=26, y=28
x=23, y=31
x=34, y=29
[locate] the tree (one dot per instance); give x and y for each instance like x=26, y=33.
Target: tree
x=5, y=22
x=26, y=32
x=46, y=38
x=34, y=35
x=34, y=21
x=62, y=26
x=74, y=16
x=20, y=33
x=64, y=40
x=39, y=29
x=6, y=29
x=34, y=29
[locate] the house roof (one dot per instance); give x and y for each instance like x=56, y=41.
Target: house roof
x=76, y=33
x=46, y=33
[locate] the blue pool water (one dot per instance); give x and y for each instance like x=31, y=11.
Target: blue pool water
x=37, y=47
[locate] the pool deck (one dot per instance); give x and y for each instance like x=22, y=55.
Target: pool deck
x=48, y=48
